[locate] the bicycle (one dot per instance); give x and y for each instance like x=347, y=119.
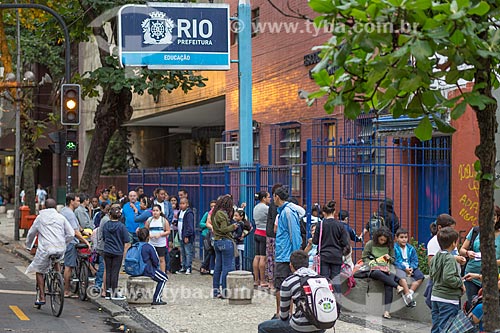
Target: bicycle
x=80, y=275
x=54, y=287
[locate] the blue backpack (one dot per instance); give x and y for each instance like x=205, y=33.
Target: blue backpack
x=134, y=264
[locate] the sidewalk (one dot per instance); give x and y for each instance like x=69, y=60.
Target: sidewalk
x=191, y=308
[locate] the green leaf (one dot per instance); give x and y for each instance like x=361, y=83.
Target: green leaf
x=422, y=50
x=458, y=110
x=478, y=101
x=443, y=126
x=477, y=166
x=480, y=9
x=424, y=129
x=322, y=78
x=352, y=109
x=487, y=176
x=322, y=6
x=317, y=94
x=420, y=4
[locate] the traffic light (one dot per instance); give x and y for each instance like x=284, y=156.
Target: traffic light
x=70, y=104
x=57, y=138
x=71, y=141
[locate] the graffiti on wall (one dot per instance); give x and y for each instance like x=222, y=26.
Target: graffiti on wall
x=469, y=198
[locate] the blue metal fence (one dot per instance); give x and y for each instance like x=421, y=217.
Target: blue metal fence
x=357, y=174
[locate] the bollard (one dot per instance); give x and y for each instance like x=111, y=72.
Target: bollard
x=3, y=209
x=240, y=287
x=10, y=214
x=140, y=290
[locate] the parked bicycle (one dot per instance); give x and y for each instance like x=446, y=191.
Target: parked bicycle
x=80, y=275
x=54, y=287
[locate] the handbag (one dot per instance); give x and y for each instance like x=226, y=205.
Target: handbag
x=207, y=241
x=317, y=258
x=361, y=270
x=460, y=324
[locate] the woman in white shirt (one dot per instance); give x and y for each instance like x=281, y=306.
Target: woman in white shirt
x=159, y=229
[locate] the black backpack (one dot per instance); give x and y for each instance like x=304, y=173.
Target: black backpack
x=175, y=260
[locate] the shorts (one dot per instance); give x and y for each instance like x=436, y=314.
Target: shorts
x=161, y=251
x=260, y=245
x=417, y=274
x=70, y=256
x=281, y=272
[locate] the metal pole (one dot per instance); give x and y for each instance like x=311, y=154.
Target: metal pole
x=68, y=174
x=245, y=94
x=17, y=164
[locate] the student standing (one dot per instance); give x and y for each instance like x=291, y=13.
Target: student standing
x=159, y=229
x=448, y=286
x=186, y=236
x=115, y=236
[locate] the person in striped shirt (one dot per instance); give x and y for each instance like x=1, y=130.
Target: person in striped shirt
x=290, y=291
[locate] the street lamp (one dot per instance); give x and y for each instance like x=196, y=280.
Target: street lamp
x=11, y=82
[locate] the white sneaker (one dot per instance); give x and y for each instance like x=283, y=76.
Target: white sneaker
x=118, y=297
x=188, y=271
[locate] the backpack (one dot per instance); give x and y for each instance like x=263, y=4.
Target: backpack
x=475, y=233
x=134, y=264
x=376, y=222
x=317, y=302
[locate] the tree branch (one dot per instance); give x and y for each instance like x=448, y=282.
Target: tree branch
x=296, y=15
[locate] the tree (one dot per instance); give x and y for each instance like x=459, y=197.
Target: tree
x=384, y=56
x=114, y=106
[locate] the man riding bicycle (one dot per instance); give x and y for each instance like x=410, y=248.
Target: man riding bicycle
x=54, y=232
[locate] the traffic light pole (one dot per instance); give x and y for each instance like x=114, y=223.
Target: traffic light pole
x=17, y=180
x=68, y=174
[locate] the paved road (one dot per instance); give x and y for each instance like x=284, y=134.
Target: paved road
x=17, y=313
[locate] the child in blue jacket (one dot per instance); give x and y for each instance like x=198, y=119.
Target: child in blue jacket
x=152, y=270
x=407, y=260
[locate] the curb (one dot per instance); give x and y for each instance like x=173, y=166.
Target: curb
x=121, y=314
x=4, y=240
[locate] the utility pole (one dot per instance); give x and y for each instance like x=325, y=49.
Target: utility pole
x=245, y=96
x=17, y=180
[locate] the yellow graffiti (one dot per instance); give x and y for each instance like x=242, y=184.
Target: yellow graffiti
x=474, y=186
x=466, y=171
x=468, y=203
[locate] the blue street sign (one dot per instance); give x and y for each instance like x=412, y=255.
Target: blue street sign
x=174, y=36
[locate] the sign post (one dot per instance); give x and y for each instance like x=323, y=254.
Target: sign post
x=180, y=36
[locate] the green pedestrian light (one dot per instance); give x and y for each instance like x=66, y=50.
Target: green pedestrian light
x=70, y=146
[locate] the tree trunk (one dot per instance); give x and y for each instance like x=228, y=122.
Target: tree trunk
x=486, y=152
x=29, y=186
x=112, y=111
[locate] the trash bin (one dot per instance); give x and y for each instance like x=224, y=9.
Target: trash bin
x=24, y=212
x=26, y=219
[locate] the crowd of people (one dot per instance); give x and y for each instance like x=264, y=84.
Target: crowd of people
x=168, y=224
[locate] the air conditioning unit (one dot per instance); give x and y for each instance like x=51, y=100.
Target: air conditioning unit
x=227, y=152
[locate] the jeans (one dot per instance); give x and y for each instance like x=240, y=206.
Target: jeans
x=238, y=261
x=390, y=281
x=167, y=259
x=278, y=326
x=224, y=263
x=186, y=255
x=100, y=272
x=441, y=312
x=332, y=272
x=471, y=290
x=209, y=260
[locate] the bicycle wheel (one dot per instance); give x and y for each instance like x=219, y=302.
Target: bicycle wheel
x=57, y=294
x=84, y=281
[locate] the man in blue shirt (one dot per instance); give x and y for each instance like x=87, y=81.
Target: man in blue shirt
x=288, y=238
x=129, y=214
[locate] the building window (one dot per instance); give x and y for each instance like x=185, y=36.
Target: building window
x=290, y=153
x=363, y=161
x=255, y=21
x=256, y=146
x=331, y=132
x=254, y=25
